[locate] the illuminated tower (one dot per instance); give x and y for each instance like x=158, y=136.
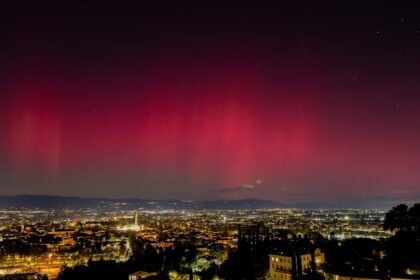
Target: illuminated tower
x=136, y=219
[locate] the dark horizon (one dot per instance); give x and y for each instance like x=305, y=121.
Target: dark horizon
x=75, y=202
x=287, y=102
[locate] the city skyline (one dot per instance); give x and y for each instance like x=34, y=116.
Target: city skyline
x=284, y=102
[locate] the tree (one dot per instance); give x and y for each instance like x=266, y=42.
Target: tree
x=414, y=216
x=402, y=248
x=402, y=218
x=397, y=218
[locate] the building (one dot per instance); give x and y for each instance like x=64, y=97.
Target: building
x=141, y=275
x=319, y=258
x=353, y=278
x=135, y=227
x=281, y=267
x=289, y=266
x=378, y=277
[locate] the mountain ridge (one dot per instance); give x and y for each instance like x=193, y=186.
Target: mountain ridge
x=75, y=202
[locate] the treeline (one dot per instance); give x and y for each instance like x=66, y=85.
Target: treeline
x=403, y=219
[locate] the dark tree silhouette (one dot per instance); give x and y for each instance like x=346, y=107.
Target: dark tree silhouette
x=414, y=216
x=402, y=218
x=402, y=248
x=397, y=218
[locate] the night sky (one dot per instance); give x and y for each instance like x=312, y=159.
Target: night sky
x=288, y=102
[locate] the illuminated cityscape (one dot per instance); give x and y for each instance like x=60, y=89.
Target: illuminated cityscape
x=46, y=242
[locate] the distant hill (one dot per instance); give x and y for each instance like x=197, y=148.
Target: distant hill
x=46, y=202
x=60, y=202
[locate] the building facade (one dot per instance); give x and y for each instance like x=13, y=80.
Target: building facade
x=283, y=267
